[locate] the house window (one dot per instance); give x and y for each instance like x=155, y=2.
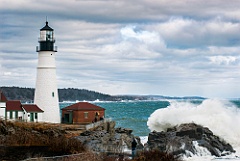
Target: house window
x=36, y=116
x=16, y=114
x=11, y=115
x=52, y=94
x=85, y=115
x=31, y=117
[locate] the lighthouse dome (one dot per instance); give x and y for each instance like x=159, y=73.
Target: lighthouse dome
x=46, y=27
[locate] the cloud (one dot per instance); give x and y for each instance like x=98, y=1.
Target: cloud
x=190, y=33
x=124, y=11
x=147, y=37
x=118, y=47
x=225, y=60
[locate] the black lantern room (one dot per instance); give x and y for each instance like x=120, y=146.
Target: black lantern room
x=46, y=40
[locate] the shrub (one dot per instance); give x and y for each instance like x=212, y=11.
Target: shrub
x=65, y=145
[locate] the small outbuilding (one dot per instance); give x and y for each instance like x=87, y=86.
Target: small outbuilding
x=32, y=112
x=82, y=113
x=3, y=101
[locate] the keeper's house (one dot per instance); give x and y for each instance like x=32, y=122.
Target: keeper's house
x=14, y=110
x=82, y=113
x=26, y=112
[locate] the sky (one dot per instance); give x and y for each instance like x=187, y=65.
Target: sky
x=162, y=47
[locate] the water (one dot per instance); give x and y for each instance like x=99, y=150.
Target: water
x=220, y=116
x=130, y=114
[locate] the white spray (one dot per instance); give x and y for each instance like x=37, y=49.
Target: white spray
x=220, y=116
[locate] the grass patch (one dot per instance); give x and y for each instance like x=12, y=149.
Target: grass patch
x=156, y=155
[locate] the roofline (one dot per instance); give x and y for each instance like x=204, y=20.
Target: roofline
x=75, y=109
x=31, y=111
x=15, y=110
x=79, y=108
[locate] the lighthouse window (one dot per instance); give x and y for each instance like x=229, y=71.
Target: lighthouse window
x=49, y=35
x=52, y=94
x=43, y=35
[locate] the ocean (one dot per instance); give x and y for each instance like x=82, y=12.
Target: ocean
x=220, y=116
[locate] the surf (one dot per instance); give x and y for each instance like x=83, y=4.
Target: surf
x=220, y=116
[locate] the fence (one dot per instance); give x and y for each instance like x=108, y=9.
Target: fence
x=96, y=124
x=87, y=156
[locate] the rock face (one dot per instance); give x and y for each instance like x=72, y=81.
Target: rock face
x=106, y=138
x=182, y=139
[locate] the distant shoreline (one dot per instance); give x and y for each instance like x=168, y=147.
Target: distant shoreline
x=74, y=95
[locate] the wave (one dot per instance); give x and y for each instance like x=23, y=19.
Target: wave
x=220, y=116
x=119, y=101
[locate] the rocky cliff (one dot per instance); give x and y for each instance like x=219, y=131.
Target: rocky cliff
x=106, y=138
x=186, y=138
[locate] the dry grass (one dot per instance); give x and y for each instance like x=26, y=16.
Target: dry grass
x=86, y=156
x=33, y=125
x=66, y=145
x=50, y=136
x=156, y=155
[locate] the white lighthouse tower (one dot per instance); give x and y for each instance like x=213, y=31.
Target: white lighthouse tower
x=46, y=93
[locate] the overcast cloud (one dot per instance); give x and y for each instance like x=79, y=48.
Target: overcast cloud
x=176, y=48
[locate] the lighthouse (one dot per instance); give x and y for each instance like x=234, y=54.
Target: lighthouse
x=46, y=93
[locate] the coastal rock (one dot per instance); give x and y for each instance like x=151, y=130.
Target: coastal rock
x=180, y=140
x=3, y=128
x=123, y=130
x=106, y=138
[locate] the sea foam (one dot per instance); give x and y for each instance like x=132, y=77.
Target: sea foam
x=220, y=116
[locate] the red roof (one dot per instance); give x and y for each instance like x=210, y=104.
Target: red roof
x=32, y=108
x=14, y=106
x=83, y=106
x=2, y=97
